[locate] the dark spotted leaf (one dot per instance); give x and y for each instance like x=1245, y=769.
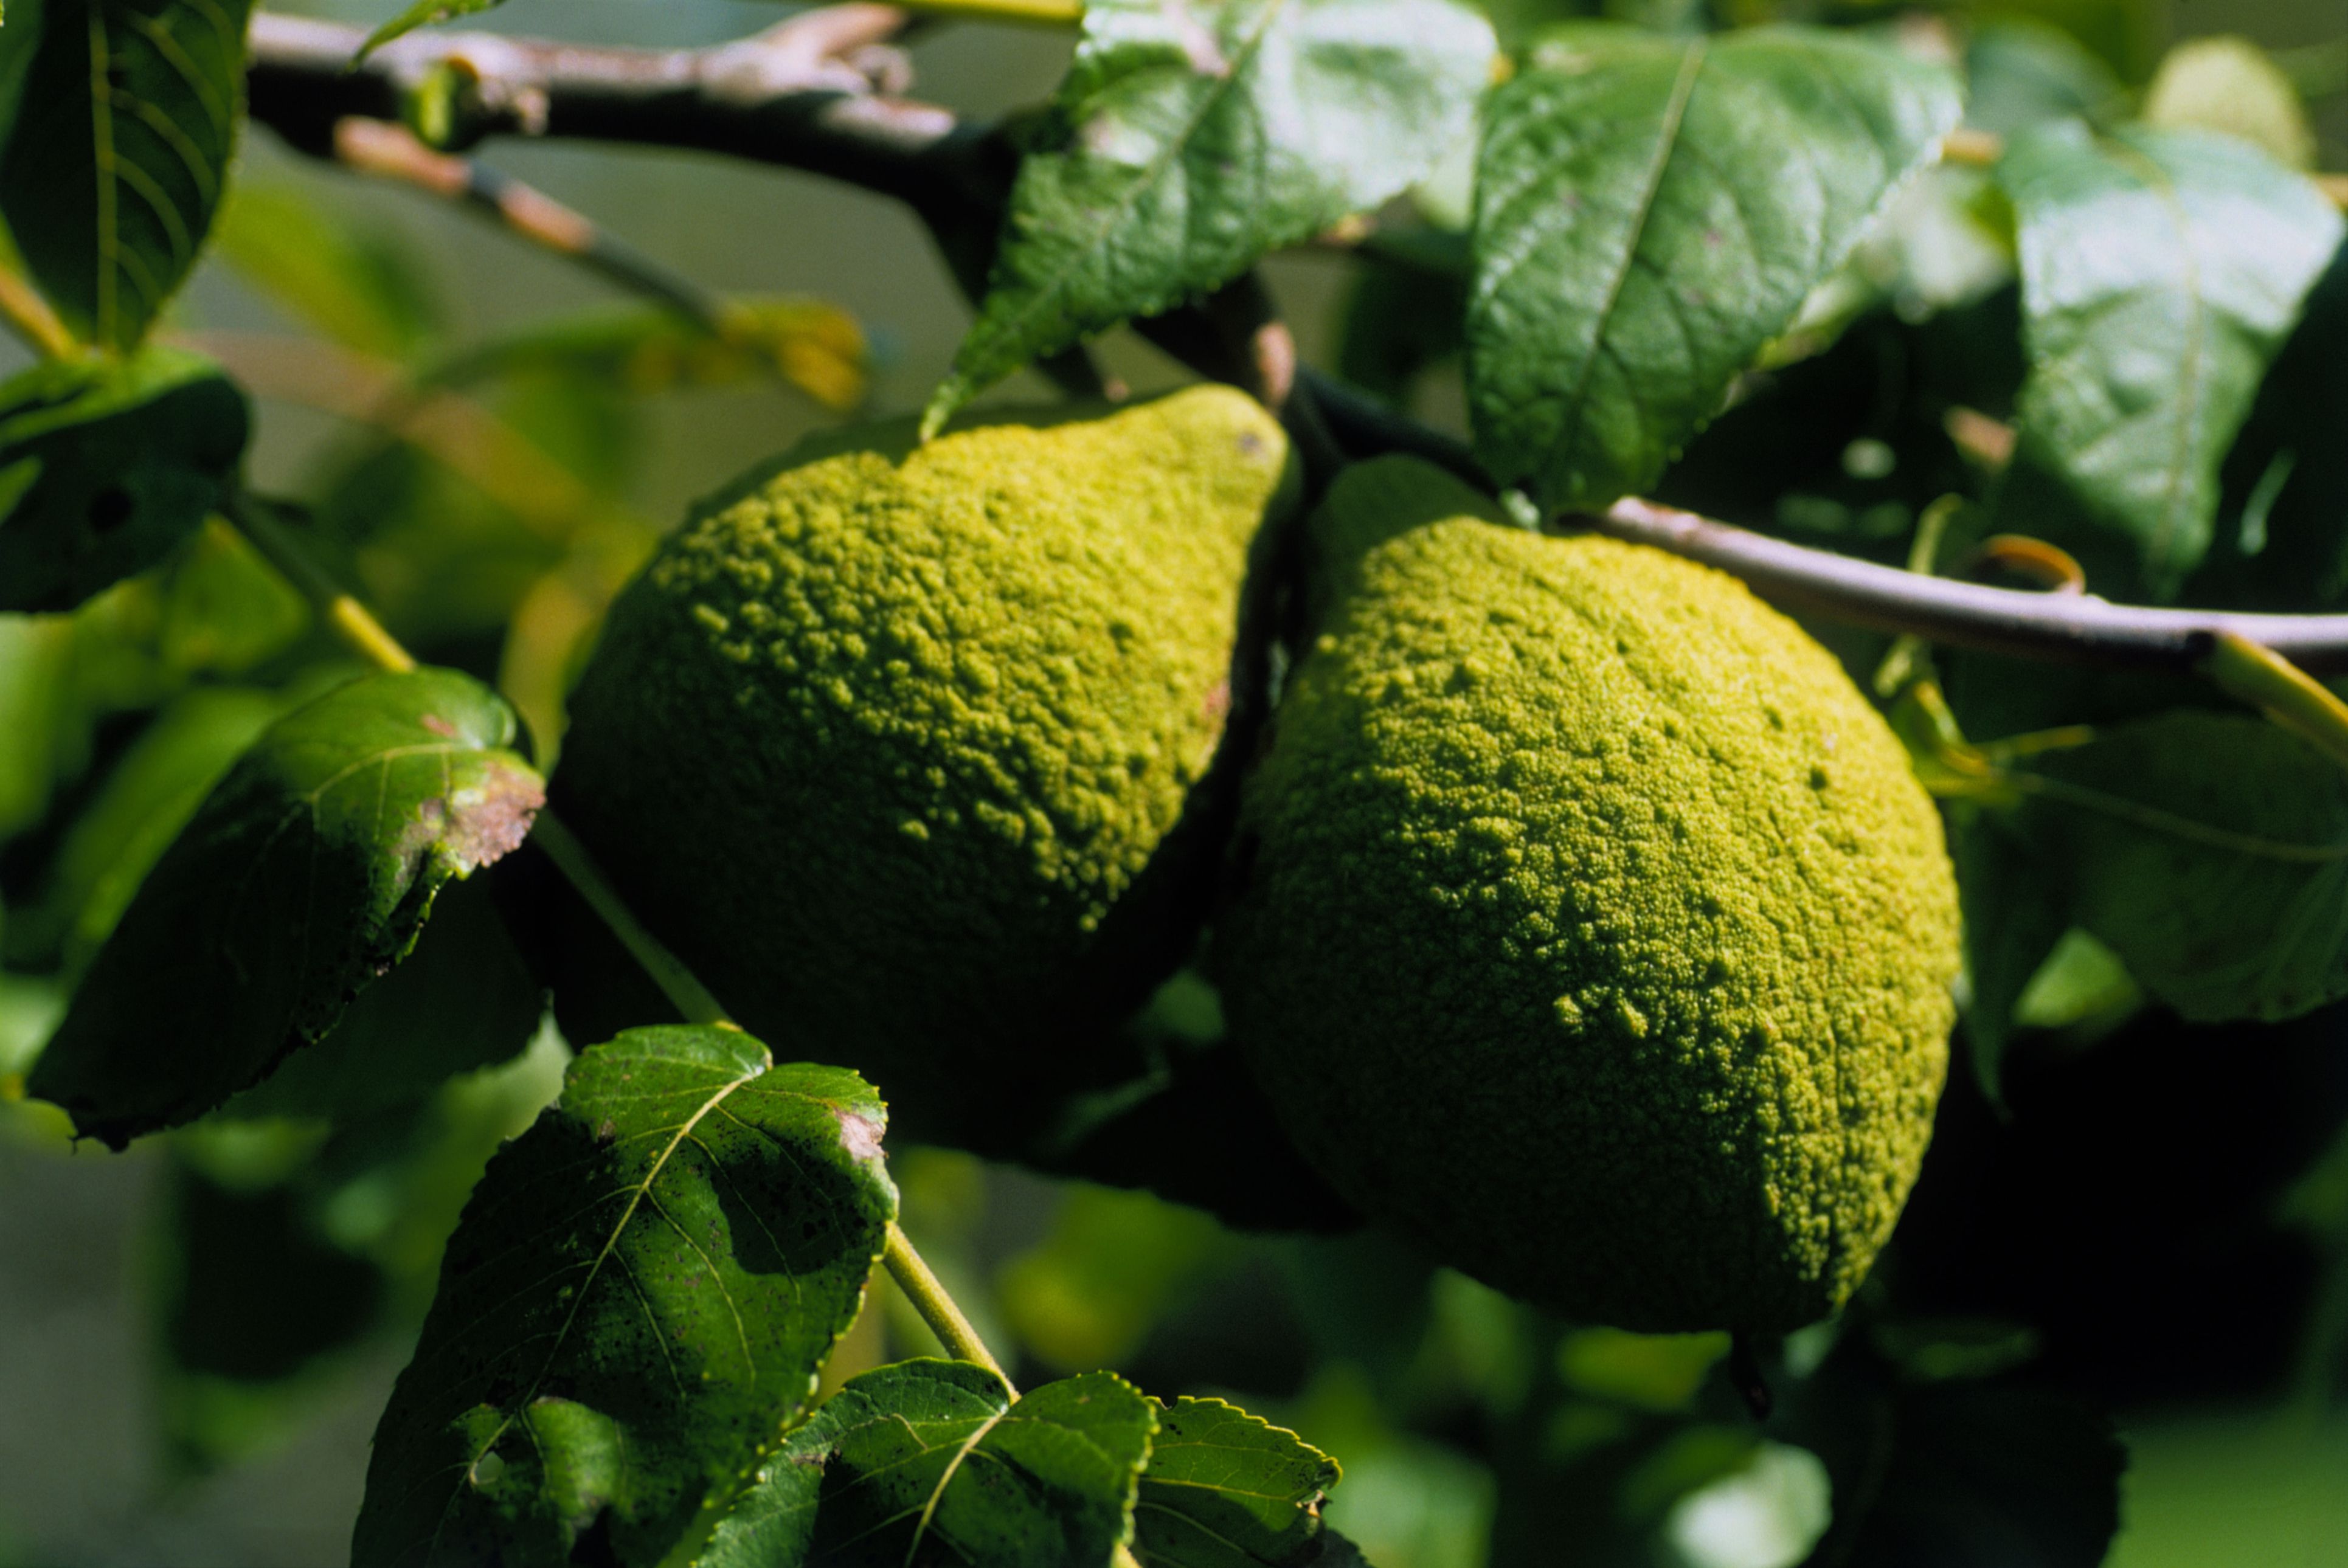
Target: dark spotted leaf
x=931, y=1463
x=634, y=1308
x=307, y=872
x=1228, y=1490
x=117, y=141
x=1649, y=212
x=105, y=467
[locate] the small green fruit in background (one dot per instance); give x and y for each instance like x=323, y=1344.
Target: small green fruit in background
x=911, y=751
x=1589, y=928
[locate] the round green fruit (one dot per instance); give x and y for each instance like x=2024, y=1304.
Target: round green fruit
x=915, y=752
x=1588, y=927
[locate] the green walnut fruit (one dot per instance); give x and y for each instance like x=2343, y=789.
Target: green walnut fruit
x=916, y=752
x=1588, y=927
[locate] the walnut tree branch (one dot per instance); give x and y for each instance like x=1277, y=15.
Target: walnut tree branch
x=800, y=96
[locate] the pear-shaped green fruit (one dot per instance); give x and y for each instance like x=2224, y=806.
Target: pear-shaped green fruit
x=1589, y=928
x=911, y=751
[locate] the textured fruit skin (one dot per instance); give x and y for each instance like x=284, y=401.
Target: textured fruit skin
x=910, y=750
x=1589, y=928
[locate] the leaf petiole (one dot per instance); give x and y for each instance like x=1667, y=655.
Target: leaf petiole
x=2281, y=689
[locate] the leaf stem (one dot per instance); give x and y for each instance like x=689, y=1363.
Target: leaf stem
x=348, y=619
x=679, y=984
x=1033, y=13
x=2282, y=690
x=23, y=309
x=935, y=1306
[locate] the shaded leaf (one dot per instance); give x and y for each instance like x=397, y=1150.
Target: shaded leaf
x=2160, y=272
x=1189, y=140
x=104, y=467
x=356, y=285
x=2210, y=852
x=131, y=819
x=928, y=1463
x=304, y=876
x=2014, y=915
x=2020, y=73
x=1228, y=1490
x=2230, y=85
x=461, y=1000
x=120, y=150
x=634, y=1306
x=1650, y=213
x=1956, y=1473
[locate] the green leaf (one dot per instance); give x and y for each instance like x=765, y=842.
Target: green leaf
x=2020, y=73
x=2160, y=272
x=634, y=1310
x=120, y=150
x=928, y=1463
x=1955, y=1474
x=104, y=467
x=305, y=875
x=2210, y=853
x=146, y=799
x=2230, y=85
x=2014, y=915
x=1650, y=213
x=423, y=14
x=357, y=285
x=461, y=1000
x=1228, y=1490
x=1189, y=140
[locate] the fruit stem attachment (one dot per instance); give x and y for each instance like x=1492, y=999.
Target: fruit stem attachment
x=365, y=636
x=2285, y=693
x=937, y=1308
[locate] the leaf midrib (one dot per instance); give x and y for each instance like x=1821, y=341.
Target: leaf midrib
x=1155, y=169
x=1666, y=142
x=586, y=1285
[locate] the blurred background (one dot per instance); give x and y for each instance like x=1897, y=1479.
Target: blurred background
x=196, y=1336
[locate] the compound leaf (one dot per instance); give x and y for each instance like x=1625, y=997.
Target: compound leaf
x=928, y=1463
x=2161, y=270
x=2210, y=853
x=1228, y=1490
x=120, y=150
x=105, y=467
x=633, y=1307
x=1188, y=139
x=1649, y=212
x=305, y=875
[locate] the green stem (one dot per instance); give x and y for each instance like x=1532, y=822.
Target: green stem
x=2281, y=689
x=937, y=1308
x=1034, y=13
x=683, y=987
x=366, y=636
